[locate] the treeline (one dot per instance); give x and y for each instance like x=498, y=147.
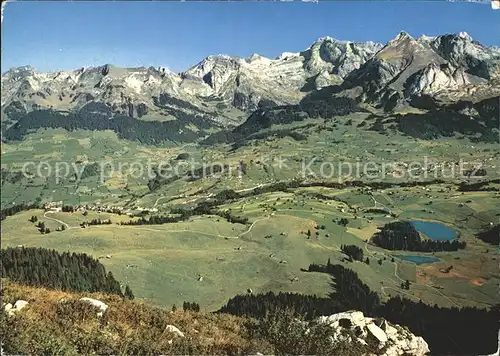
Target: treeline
x=158, y=181
x=126, y=127
x=234, y=219
x=402, y=235
x=378, y=211
x=16, y=209
x=448, y=331
x=350, y=291
x=206, y=208
x=260, y=305
x=155, y=220
x=230, y=195
x=75, y=272
x=298, y=183
x=97, y=221
x=191, y=306
x=479, y=186
x=446, y=123
x=491, y=236
x=354, y=252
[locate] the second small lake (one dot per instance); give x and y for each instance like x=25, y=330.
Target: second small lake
x=419, y=260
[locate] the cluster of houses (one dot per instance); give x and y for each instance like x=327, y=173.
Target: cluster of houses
x=57, y=206
x=54, y=206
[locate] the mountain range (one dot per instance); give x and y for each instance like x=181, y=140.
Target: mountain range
x=222, y=91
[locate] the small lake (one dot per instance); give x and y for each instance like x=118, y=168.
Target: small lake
x=434, y=230
x=418, y=260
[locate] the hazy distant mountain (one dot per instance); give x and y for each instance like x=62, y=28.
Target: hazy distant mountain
x=212, y=88
x=222, y=89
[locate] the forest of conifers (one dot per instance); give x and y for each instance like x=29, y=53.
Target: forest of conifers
x=75, y=272
x=448, y=331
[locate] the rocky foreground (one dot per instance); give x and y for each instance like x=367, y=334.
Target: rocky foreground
x=54, y=322
x=391, y=339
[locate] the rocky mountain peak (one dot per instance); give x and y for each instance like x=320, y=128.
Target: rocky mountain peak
x=462, y=51
x=403, y=67
x=401, y=37
x=464, y=34
x=18, y=73
x=337, y=57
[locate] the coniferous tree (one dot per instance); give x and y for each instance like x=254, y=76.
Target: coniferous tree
x=128, y=293
x=49, y=268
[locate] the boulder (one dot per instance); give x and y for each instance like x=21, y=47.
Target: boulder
x=96, y=303
x=18, y=305
x=409, y=345
x=377, y=333
x=392, y=339
x=174, y=330
x=355, y=317
x=391, y=332
x=7, y=307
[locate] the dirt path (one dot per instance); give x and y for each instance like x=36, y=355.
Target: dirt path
x=251, y=226
x=57, y=220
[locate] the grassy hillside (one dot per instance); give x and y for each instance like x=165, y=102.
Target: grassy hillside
x=57, y=323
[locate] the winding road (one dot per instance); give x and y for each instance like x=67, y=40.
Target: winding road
x=57, y=220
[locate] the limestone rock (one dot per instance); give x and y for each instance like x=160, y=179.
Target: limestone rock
x=174, y=330
x=374, y=331
x=355, y=317
x=377, y=332
x=96, y=303
x=18, y=305
x=7, y=307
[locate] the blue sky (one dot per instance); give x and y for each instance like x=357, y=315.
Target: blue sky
x=67, y=35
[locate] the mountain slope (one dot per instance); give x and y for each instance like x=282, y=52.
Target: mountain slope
x=53, y=322
x=211, y=89
x=221, y=90
x=405, y=68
